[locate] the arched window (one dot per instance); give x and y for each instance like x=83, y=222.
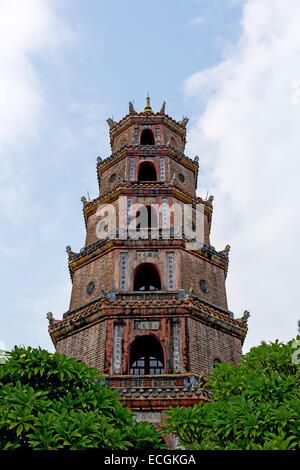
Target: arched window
x=146, y=218
x=146, y=277
x=146, y=356
x=147, y=137
x=147, y=172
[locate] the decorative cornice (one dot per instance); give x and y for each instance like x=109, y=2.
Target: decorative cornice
x=150, y=150
x=105, y=307
x=162, y=187
x=101, y=246
x=161, y=387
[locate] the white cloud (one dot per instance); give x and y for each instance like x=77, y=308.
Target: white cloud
x=249, y=146
x=27, y=29
x=195, y=21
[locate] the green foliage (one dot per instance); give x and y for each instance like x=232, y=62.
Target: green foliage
x=49, y=401
x=255, y=405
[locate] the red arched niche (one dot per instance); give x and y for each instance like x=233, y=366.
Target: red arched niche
x=147, y=172
x=147, y=137
x=146, y=356
x=146, y=278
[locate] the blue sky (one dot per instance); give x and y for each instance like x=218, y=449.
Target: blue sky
x=231, y=66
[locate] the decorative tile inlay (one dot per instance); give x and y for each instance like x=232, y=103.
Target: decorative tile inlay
x=162, y=168
x=158, y=135
x=170, y=271
x=112, y=178
x=129, y=204
x=117, y=351
x=147, y=254
x=181, y=177
x=165, y=212
x=203, y=286
x=146, y=325
x=131, y=169
x=90, y=288
x=146, y=199
x=176, y=346
x=123, y=271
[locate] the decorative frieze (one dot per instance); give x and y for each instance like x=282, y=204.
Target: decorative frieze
x=170, y=270
x=128, y=210
x=146, y=325
x=117, y=349
x=146, y=199
x=147, y=157
x=176, y=347
x=162, y=168
x=165, y=213
x=123, y=271
x=142, y=255
x=131, y=168
x=157, y=135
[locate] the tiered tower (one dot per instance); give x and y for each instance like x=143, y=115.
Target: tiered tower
x=148, y=304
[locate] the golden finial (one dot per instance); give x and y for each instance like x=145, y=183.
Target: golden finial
x=148, y=108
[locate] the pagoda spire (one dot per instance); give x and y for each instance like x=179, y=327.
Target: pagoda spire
x=148, y=108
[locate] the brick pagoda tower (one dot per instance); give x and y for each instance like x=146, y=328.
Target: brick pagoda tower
x=148, y=304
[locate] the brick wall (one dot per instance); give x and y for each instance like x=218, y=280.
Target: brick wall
x=170, y=136
x=201, y=344
x=117, y=169
x=95, y=218
x=100, y=271
x=124, y=138
x=189, y=183
x=193, y=268
x=205, y=344
x=86, y=345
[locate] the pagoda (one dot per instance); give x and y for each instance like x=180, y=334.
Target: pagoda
x=148, y=305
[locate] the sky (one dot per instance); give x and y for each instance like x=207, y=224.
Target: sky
x=231, y=66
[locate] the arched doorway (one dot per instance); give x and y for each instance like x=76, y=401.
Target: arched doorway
x=147, y=137
x=146, y=356
x=147, y=172
x=146, y=277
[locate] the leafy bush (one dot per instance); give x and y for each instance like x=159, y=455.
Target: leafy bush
x=255, y=405
x=49, y=401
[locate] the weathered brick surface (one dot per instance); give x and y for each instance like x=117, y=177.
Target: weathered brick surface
x=119, y=170
x=189, y=182
x=148, y=199
x=201, y=343
x=205, y=344
x=167, y=136
x=95, y=218
x=100, y=271
x=194, y=268
x=86, y=345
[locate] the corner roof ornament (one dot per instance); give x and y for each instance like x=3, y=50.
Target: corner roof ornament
x=131, y=108
x=110, y=122
x=163, y=108
x=184, y=121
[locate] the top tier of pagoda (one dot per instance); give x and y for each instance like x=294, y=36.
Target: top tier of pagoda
x=147, y=148
x=147, y=128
